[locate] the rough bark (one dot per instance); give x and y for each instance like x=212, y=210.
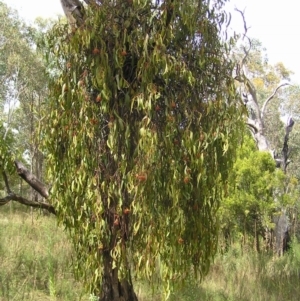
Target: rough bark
x=114, y=289
x=281, y=233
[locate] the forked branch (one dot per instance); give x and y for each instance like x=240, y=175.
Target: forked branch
x=244, y=21
x=32, y=181
x=17, y=198
x=271, y=97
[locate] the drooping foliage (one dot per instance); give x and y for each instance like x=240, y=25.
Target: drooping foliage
x=143, y=123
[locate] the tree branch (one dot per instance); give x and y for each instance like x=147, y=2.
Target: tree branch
x=244, y=21
x=271, y=97
x=6, y=182
x=14, y=197
x=240, y=65
x=31, y=179
x=34, y=183
x=250, y=123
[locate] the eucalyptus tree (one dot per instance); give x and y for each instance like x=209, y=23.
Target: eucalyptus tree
x=142, y=121
x=23, y=87
x=143, y=125
x=263, y=88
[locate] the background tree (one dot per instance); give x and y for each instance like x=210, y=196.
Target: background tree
x=23, y=89
x=260, y=85
x=143, y=126
x=247, y=210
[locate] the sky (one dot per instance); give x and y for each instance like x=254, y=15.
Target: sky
x=274, y=23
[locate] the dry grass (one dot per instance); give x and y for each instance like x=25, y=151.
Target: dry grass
x=248, y=276
x=35, y=265
x=35, y=259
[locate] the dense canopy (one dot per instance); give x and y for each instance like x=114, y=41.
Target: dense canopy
x=143, y=123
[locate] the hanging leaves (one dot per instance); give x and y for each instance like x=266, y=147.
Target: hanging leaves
x=142, y=131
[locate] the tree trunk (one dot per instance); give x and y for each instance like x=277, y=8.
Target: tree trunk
x=282, y=235
x=114, y=289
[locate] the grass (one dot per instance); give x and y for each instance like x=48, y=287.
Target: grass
x=35, y=259
x=248, y=276
x=244, y=275
x=35, y=265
